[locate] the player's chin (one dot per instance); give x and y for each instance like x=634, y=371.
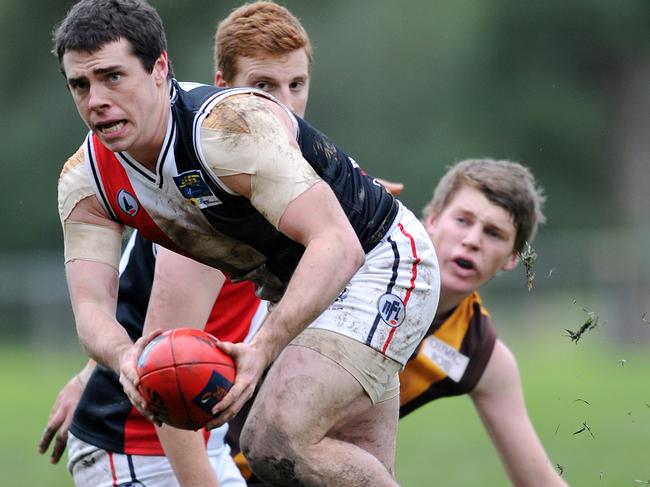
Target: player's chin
x=460, y=284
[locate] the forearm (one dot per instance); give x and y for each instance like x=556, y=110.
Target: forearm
x=101, y=336
x=183, y=293
x=188, y=457
x=93, y=293
x=325, y=268
x=525, y=460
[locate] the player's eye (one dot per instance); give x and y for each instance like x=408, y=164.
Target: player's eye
x=263, y=85
x=114, y=77
x=78, y=85
x=493, y=233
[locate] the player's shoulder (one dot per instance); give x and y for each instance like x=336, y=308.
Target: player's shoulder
x=74, y=161
x=247, y=110
x=74, y=184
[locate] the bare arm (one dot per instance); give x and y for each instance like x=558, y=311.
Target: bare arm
x=499, y=401
x=93, y=293
x=332, y=249
x=332, y=255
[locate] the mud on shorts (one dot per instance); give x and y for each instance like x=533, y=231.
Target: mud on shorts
x=382, y=314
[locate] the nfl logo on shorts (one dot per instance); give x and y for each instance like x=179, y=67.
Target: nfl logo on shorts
x=391, y=309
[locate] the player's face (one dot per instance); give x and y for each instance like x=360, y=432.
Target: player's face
x=124, y=106
x=286, y=77
x=474, y=239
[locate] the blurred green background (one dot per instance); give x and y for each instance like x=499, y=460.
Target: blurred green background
x=406, y=88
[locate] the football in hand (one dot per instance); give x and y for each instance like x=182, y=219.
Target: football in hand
x=183, y=374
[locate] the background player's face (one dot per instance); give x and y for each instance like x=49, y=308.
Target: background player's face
x=286, y=77
x=474, y=239
x=119, y=101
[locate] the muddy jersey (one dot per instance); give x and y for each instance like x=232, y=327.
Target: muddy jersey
x=105, y=417
x=451, y=358
x=184, y=205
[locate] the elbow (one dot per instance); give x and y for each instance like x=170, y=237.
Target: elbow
x=357, y=255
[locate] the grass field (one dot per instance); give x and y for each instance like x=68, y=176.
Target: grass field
x=441, y=444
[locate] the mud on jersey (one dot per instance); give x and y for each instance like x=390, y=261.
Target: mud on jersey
x=223, y=229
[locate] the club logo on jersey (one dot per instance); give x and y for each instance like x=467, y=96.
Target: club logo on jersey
x=391, y=309
x=127, y=202
x=194, y=189
x=213, y=392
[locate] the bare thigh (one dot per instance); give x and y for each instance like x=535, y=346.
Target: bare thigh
x=374, y=429
x=306, y=395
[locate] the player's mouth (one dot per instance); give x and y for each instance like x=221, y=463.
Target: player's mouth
x=464, y=264
x=111, y=128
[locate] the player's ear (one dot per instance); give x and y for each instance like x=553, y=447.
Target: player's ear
x=430, y=220
x=161, y=67
x=511, y=262
x=219, y=81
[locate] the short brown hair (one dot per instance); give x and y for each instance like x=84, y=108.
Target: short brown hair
x=256, y=29
x=507, y=184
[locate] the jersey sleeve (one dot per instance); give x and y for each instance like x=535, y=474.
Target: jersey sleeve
x=74, y=184
x=242, y=135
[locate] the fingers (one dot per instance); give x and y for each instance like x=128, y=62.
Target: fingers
x=390, y=186
x=229, y=406
x=46, y=439
x=129, y=376
x=59, y=446
x=60, y=437
x=228, y=348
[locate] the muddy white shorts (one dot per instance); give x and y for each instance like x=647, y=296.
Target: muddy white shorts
x=94, y=467
x=390, y=302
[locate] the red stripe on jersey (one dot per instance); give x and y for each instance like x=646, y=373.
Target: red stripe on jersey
x=115, y=179
x=140, y=437
x=414, y=275
x=414, y=268
x=231, y=315
x=112, y=467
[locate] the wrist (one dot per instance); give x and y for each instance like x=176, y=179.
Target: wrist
x=265, y=349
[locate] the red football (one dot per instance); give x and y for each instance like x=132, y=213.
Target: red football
x=183, y=375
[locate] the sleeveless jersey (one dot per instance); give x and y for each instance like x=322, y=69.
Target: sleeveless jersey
x=211, y=223
x=451, y=358
x=105, y=417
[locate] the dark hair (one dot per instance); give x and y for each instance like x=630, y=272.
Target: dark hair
x=91, y=24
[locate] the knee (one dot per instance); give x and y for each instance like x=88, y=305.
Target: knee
x=269, y=452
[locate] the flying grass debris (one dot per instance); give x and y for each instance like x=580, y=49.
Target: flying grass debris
x=585, y=427
x=590, y=323
x=528, y=256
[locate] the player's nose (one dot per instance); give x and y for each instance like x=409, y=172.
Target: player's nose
x=97, y=97
x=473, y=236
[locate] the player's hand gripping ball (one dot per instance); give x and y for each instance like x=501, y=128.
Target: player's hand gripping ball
x=183, y=375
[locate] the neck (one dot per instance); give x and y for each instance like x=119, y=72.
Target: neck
x=153, y=142
x=449, y=301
